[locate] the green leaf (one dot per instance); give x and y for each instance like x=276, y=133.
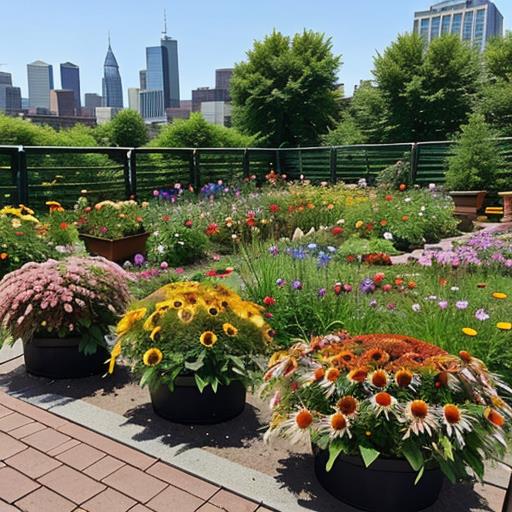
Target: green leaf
x=448, y=471
x=215, y=384
x=201, y=383
x=475, y=462
x=368, y=454
x=335, y=448
x=419, y=475
x=413, y=455
x=447, y=447
x=147, y=376
x=196, y=365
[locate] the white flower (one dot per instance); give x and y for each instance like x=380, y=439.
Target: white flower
x=421, y=419
x=407, y=199
x=340, y=222
x=161, y=249
x=181, y=243
x=336, y=425
x=388, y=236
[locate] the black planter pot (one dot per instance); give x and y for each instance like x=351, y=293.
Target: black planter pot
x=186, y=404
x=59, y=358
x=386, y=486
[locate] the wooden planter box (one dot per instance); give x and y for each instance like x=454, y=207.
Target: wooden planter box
x=468, y=203
x=119, y=250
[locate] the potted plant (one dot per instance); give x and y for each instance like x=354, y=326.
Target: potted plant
x=196, y=346
x=112, y=229
x=473, y=167
x=387, y=413
x=62, y=310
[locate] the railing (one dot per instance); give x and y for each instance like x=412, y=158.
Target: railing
x=32, y=175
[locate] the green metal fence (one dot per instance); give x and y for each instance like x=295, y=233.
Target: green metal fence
x=34, y=175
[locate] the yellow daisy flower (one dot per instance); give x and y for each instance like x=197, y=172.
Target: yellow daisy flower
x=229, y=329
x=208, y=339
x=152, y=357
x=499, y=295
x=186, y=315
x=468, y=331
x=116, y=352
x=155, y=334
x=128, y=320
x=504, y=326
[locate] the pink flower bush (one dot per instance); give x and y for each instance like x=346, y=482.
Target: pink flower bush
x=75, y=295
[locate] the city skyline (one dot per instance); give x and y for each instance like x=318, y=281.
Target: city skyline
x=203, y=44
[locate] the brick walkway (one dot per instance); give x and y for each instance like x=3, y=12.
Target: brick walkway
x=49, y=464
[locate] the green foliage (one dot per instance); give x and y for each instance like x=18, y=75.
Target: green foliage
x=61, y=229
x=498, y=58
x=346, y=132
x=196, y=132
x=128, y=129
x=476, y=158
x=392, y=176
x=429, y=93
x=286, y=91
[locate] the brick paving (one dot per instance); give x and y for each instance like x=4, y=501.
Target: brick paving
x=49, y=464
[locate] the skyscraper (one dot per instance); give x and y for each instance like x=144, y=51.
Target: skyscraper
x=70, y=80
x=40, y=82
x=10, y=97
x=143, y=79
x=475, y=21
x=171, y=47
x=112, y=87
x=223, y=79
x=133, y=98
x=62, y=102
x=152, y=106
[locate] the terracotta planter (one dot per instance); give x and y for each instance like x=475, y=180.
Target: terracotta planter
x=468, y=203
x=386, y=486
x=186, y=404
x=116, y=250
x=59, y=358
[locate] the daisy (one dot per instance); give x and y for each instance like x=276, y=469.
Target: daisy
x=336, y=425
x=420, y=417
x=297, y=426
x=456, y=422
x=329, y=381
x=384, y=403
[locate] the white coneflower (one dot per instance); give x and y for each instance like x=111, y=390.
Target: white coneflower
x=336, y=426
x=420, y=417
x=329, y=381
x=456, y=422
x=384, y=403
x=297, y=426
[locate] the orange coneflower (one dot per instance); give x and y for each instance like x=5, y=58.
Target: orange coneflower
x=494, y=417
x=336, y=425
x=420, y=417
x=347, y=405
x=404, y=378
x=456, y=422
x=358, y=375
x=379, y=379
x=229, y=329
x=152, y=357
x=384, y=403
x=345, y=358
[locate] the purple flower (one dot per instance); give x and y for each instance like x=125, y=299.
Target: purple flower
x=156, y=193
x=297, y=285
x=323, y=259
x=416, y=308
x=322, y=292
x=164, y=265
x=367, y=285
x=481, y=315
x=347, y=288
x=274, y=250
x=280, y=282
x=461, y=304
x=391, y=306
x=443, y=304
x=508, y=263
x=139, y=260
x=372, y=303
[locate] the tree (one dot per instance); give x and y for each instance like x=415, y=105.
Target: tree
x=498, y=58
x=196, y=132
x=430, y=92
x=285, y=92
x=346, y=132
x=476, y=159
x=128, y=129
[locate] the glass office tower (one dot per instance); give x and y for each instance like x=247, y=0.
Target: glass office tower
x=112, y=87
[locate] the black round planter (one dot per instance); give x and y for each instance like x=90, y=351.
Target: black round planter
x=59, y=358
x=386, y=486
x=186, y=404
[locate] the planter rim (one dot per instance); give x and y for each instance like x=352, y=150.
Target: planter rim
x=86, y=235
x=466, y=192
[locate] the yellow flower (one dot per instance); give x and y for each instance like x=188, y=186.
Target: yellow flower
x=116, y=352
x=499, y=295
x=208, y=339
x=468, y=331
x=213, y=311
x=504, y=326
x=230, y=329
x=16, y=223
x=155, y=333
x=359, y=224
x=152, y=321
x=164, y=306
x=186, y=315
x=128, y=320
x=152, y=357
x=268, y=334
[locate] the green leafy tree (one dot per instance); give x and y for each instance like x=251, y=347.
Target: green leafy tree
x=498, y=58
x=476, y=160
x=285, y=92
x=128, y=129
x=346, y=132
x=196, y=132
x=430, y=92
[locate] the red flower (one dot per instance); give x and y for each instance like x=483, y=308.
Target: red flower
x=268, y=314
x=337, y=230
x=383, y=222
x=188, y=223
x=350, y=258
x=63, y=226
x=399, y=281
x=212, y=229
x=389, y=197
x=387, y=288
x=338, y=288
x=274, y=208
x=379, y=277
x=411, y=285
x=402, y=187
x=139, y=219
x=166, y=218
x=269, y=301
x=369, y=226
x=405, y=218
x=19, y=233
x=251, y=222
x=88, y=209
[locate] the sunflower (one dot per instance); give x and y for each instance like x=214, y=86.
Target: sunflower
x=155, y=334
x=213, y=311
x=152, y=321
x=152, y=357
x=229, y=329
x=186, y=315
x=376, y=356
x=128, y=320
x=208, y=339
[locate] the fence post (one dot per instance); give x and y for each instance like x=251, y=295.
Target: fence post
x=300, y=161
x=195, y=172
x=246, y=169
x=22, y=176
x=132, y=170
x=367, y=163
x=126, y=175
x=278, y=161
x=414, y=162
x=333, y=157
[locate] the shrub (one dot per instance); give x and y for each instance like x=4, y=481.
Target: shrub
x=394, y=175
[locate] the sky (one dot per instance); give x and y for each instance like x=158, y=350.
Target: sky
x=211, y=34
